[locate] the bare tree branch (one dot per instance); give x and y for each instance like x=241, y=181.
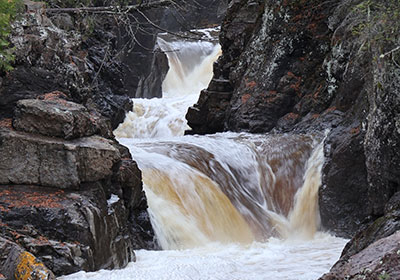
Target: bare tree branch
x=115, y=9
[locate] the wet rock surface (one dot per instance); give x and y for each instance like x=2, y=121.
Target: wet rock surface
x=344, y=193
x=380, y=260
x=20, y=264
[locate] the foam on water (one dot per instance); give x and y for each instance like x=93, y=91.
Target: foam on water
x=275, y=259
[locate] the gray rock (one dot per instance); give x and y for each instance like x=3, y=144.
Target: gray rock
x=380, y=260
x=58, y=118
x=52, y=162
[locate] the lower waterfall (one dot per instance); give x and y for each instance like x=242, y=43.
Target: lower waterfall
x=223, y=206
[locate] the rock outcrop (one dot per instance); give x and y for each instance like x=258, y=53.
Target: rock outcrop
x=374, y=252
x=97, y=60
x=310, y=66
x=70, y=199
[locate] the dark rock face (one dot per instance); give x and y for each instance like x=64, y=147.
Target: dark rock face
x=273, y=58
x=150, y=86
x=69, y=204
x=309, y=66
x=344, y=193
x=382, y=142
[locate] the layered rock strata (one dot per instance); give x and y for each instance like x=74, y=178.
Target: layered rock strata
x=70, y=199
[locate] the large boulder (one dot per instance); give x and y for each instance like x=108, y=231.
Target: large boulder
x=58, y=118
x=380, y=260
x=374, y=252
x=68, y=231
x=52, y=162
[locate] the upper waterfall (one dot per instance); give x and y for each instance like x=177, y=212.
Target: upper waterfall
x=190, y=71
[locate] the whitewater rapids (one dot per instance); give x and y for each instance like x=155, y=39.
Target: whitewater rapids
x=228, y=206
x=275, y=259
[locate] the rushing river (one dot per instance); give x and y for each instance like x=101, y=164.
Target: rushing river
x=223, y=206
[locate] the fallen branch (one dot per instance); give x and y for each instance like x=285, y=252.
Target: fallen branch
x=114, y=9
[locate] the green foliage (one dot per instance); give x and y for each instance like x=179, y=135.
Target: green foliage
x=378, y=24
x=8, y=11
x=384, y=276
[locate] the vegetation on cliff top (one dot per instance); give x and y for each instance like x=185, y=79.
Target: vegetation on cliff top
x=8, y=11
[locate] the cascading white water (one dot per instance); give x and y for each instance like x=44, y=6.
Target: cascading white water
x=230, y=187
x=224, y=206
x=190, y=71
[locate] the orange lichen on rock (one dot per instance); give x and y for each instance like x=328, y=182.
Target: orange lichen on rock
x=317, y=92
x=28, y=267
x=296, y=85
x=355, y=130
x=291, y=116
x=245, y=98
x=330, y=109
x=54, y=95
x=26, y=198
x=6, y=123
x=251, y=84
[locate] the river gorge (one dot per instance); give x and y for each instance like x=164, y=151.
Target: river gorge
x=213, y=139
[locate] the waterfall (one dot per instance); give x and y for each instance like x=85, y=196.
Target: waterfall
x=190, y=71
x=223, y=206
x=224, y=188
x=230, y=187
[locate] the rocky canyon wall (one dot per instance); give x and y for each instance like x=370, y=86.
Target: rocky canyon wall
x=308, y=66
x=316, y=66
x=71, y=197
x=97, y=59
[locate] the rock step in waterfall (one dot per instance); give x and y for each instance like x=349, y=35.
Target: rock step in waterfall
x=262, y=186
